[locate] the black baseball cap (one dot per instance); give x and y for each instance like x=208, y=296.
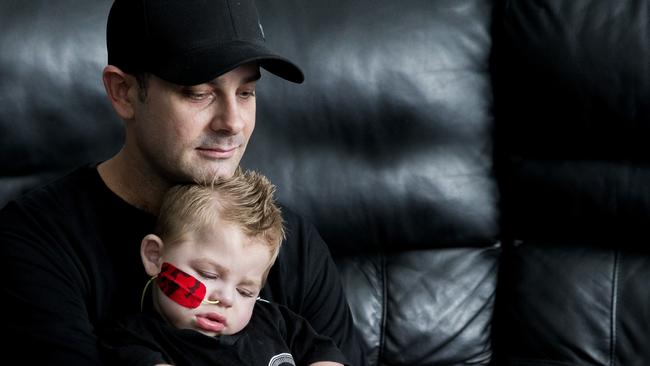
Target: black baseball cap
x=189, y=42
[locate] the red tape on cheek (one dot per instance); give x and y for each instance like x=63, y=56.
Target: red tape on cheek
x=180, y=286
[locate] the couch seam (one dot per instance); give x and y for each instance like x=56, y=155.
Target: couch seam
x=614, y=309
x=384, y=306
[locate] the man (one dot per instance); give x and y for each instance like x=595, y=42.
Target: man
x=182, y=76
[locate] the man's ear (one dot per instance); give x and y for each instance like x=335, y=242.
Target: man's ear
x=122, y=91
x=151, y=252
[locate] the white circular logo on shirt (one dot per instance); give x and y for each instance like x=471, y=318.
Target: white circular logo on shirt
x=283, y=359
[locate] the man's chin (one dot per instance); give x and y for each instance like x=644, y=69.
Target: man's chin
x=210, y=173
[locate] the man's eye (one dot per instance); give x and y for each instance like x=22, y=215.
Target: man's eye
x=247, y=94
x=196, y=95
x=199, y=96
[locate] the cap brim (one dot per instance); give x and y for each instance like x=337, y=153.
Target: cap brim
x=208, y=63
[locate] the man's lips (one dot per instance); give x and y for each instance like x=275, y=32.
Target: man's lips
x=211, y=322
x=217, y=152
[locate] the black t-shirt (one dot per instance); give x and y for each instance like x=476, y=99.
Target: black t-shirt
x=70, y=253
x=274, y=336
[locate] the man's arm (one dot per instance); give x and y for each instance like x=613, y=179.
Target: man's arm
x=130, y=341
x=306, y=279
x=42, y=294
x=307, y=346
x=326, y=306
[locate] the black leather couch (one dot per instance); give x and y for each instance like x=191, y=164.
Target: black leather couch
x=480, y=169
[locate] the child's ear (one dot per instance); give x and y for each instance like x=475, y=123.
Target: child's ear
x=151, y=252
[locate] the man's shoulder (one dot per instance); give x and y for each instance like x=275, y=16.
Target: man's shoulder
x=49, y=223
x=72, y=204
x=290, y=216
x=58, y=191
x=299, y=230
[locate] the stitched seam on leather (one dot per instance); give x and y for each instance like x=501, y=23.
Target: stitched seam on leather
x=384, y=303
x=613, y=319
x=541, y=362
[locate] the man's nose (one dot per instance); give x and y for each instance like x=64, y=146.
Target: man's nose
x=228, y=118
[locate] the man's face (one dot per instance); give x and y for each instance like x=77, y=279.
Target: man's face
x=187, y=133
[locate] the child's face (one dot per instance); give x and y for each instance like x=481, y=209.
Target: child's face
x=230, y=265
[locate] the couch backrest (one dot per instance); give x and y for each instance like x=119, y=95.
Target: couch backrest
x=436, y=145
x=53, y=111
x=572, y=93
x=387, y=148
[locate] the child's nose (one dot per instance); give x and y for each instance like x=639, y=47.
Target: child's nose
x=222, y=297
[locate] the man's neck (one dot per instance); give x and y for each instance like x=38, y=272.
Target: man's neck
x=132, y=184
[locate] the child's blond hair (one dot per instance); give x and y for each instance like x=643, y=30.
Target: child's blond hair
x=245, y=199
